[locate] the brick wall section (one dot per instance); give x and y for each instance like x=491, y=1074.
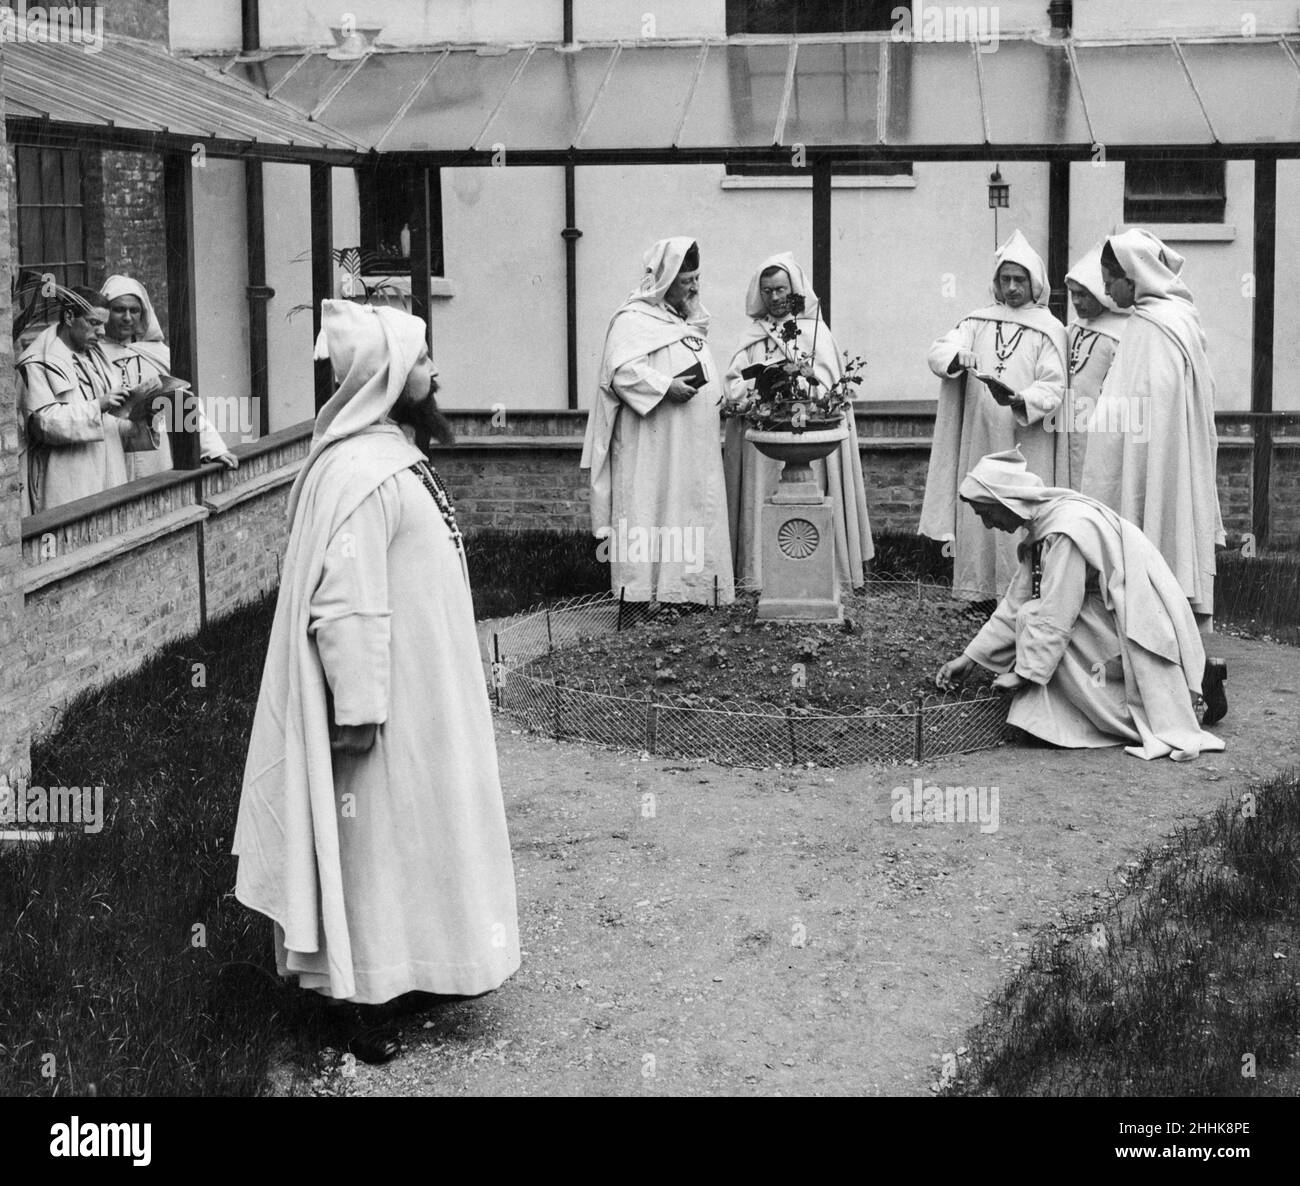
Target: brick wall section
x=244, y=545
x=126, y=231
x=498, y=480
x=15, y=723
x=101, y=623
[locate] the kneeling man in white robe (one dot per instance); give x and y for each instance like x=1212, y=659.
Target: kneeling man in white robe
x=371, y=826
x=1094, y=638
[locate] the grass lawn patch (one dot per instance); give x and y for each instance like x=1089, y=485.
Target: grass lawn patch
x=1188, y=984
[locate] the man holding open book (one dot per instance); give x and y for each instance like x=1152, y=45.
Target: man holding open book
x=658, y=499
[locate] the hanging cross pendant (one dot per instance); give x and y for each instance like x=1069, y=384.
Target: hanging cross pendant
x=1002, y=366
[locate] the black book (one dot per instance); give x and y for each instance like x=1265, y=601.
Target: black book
x=693, y=375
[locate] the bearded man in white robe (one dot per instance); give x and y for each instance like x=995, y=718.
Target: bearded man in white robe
x=70, y=393
x=1094, y=638
x=371, y=826
x=653, y=444
x=1152, y=444
x=1017, y=342
x=753, y=478
x=1093, y=336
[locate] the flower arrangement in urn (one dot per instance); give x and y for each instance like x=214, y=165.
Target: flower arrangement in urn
x=787, y=395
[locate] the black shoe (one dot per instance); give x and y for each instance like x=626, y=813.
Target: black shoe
x=1216, y=700
x=363, y=1032
x=375, y=1046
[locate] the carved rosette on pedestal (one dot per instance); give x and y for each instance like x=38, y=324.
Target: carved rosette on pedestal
x=799, y=579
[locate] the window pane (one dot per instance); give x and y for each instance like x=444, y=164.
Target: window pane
x=75, y=244
x=29, y=236
x=737, y=97
x=810, y=16
x=642, y=103
x=71, y=177
x=51, y=177
x=367, y=104
x=52, y=234
x=29, y=176
x=835, y=95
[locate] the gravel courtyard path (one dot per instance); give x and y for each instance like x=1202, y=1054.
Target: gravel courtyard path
x=690, y=929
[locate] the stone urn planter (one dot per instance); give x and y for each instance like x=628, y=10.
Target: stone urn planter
x=798, y=538
x=798, y=450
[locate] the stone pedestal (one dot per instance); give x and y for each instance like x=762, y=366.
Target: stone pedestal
x=797, y=530
x=799, y=562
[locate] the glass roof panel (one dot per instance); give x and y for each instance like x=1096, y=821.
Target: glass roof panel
x=263, y=75
x=315, y=79
x=643, y=101
x=453, y=107
x=1020, y=69
x=933, y=94
x=1271, y=111
x=548, y=102
x=1139, y=94
x=370, y=98
x=738, y=97
x=835, y=94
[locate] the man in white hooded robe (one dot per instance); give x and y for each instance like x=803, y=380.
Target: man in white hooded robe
x=371, y=826
x=654, y=442
x=1019, y=342
x=753, y=478
x=1094, y=638
x=1152, y=443
x=1094, y=335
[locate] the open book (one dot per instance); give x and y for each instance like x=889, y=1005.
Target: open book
x=1003, y=394
x=143, y=408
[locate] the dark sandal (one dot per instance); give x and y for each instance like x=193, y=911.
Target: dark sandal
x=1216, y=699
x=375, y=1046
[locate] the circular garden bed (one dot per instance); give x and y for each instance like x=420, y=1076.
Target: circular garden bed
x=718, y=684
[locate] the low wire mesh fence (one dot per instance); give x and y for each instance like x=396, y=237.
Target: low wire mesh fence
x=731, y=732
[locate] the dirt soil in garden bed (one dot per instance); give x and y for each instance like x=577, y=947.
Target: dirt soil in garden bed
x=888, y=648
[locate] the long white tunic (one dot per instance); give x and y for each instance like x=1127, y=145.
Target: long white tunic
x=1091, y=352
x=74, y=447
x=389, y=871
x=1090, y=684
x=658, y=494
x=753, y=478
x=1152, y=445
x=984, y=562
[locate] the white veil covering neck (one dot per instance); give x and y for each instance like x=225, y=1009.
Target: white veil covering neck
x=662, y=264
x=1152, y=265
x=1005, y=478
x=116, y=287
x=371, y=350
x=1016, y=250
x=1087, y=275
x=799, y=284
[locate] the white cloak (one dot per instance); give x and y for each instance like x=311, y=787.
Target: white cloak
x=74, y=449
x=658, y=496
x=1109, y=647
x=390, y=871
